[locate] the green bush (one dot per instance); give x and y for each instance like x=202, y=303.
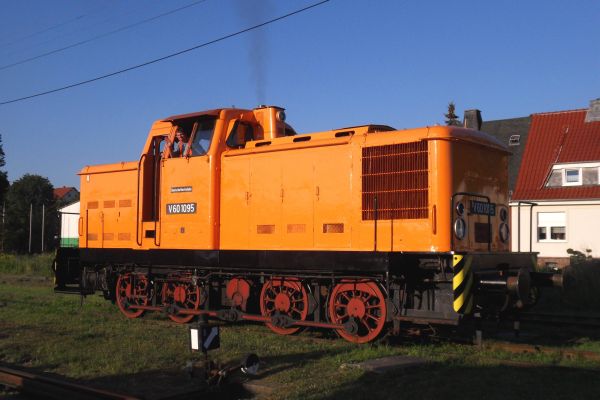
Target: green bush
x=578, y=257
x=36, y=264
x=582, y=284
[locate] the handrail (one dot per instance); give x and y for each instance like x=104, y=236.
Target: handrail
x=137, y=215
x=79, y=226
x=375, y=210
x=157, y=198
x=481, y=196
x=87, y=226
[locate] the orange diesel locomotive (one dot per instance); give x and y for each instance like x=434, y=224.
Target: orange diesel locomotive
x=353, y=229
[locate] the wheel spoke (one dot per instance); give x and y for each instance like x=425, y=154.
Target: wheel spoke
x=376, y=319
x=366, y=325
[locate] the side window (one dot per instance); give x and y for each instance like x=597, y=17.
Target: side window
x=173, y=144
x=241, y=133
x=202, y=137
x=162, y=143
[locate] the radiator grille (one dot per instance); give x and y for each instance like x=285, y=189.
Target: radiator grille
x=397, y=175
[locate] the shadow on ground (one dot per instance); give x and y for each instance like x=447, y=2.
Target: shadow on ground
x=177, y=383
x=445, y=381
x=157, y=384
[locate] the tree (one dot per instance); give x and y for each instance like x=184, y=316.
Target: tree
x=3, y=175
x=3, y=188
x=451, y=117
x=30, y=192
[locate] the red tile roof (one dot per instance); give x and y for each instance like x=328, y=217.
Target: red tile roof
x=59, y=193
x=557, y=137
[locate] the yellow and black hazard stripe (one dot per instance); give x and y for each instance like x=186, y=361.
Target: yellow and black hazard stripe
x=462, y=284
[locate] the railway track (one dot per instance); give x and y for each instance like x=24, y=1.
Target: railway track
x=42, y=386
x=520, y=348
x=581, y=320
x=37, y=385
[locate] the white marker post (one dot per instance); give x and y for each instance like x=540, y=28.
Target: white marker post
x=204, y=337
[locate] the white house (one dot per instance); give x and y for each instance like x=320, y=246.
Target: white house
x=556, y=202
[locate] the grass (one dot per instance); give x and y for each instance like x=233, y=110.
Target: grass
x=93, y=343
x=31, y=265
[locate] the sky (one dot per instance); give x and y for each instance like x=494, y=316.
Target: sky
x=343, y=63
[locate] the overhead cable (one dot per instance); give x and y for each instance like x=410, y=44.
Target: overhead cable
x=52, y=27
x=167, y=56
x=103, y=35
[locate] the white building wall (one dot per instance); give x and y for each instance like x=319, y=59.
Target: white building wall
x=69, y=223
x=582, y=228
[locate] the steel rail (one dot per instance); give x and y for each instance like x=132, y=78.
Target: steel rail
x=519, y=348
x=40, y=385
x=561, y=319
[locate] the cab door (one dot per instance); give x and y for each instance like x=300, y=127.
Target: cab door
x=187, y=188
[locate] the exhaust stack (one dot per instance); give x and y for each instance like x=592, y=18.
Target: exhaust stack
x=272, y=121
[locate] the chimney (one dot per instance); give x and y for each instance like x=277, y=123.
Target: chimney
x=472, y=119
x=593, y=113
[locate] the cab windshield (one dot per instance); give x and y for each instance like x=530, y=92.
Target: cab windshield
x=202, y=138
x=192, y=137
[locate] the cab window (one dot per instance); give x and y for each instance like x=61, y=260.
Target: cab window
x=241, y=133
x=191, y=137
x=202, y=137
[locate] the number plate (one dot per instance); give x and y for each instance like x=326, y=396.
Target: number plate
x=181, y=208
x=482, y=208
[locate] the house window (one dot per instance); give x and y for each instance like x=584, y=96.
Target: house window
x=552, y=226
x=514, y=140
x=572, y=176
x=555, y=179
x=591, y=176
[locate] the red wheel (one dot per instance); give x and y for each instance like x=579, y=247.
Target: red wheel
x=360, y=307
x=184, y=295
x=132, y=290
x=284, y=297
x=238, y=291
